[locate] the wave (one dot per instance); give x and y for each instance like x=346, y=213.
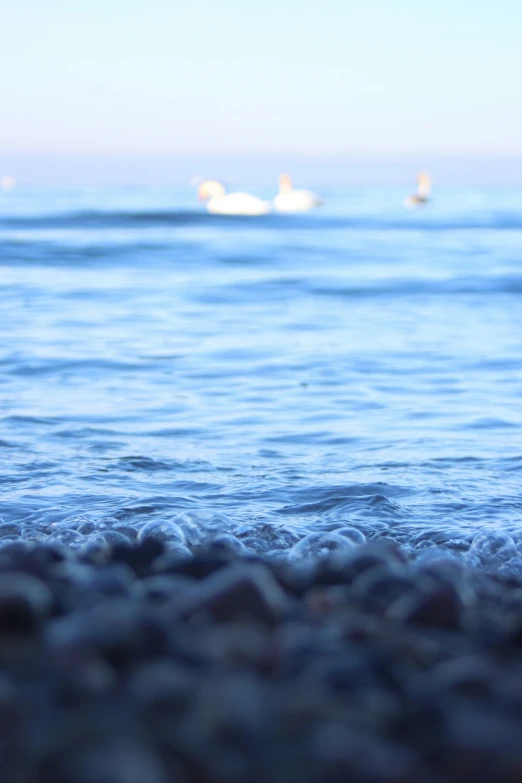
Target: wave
x=280, y=288
x=42, y=367
x=92, y=219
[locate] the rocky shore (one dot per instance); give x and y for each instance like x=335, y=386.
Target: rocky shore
x=141, y=664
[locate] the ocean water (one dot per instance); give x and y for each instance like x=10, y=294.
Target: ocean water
x=358, y=368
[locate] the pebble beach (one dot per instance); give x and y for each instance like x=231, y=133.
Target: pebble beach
x=131, y=664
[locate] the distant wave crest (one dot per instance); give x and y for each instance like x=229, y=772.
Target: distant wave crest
x=96, y=220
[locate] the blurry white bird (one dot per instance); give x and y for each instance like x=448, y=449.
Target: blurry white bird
x=422, y=194
x=219, y=202
x=290, y=200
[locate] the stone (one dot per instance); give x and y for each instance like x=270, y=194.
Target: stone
x=236, y=591
x=440, y=606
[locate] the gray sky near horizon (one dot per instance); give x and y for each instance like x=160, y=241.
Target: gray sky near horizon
x=339, y=78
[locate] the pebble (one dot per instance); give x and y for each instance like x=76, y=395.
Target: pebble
x=320, y=545
x=236, y=591
x=168, y=661
x=493, y=547
x=168, y=532
x=439, y=606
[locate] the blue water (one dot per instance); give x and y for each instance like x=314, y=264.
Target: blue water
x=359, y=366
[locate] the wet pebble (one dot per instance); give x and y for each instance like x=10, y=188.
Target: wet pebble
x=167, y=532
x=66, y=537
x=200, y=525
x=105, y=541
x=491, y=547
x=10, y=531
x=352, y=534
x=320, y=545
x=226, y=544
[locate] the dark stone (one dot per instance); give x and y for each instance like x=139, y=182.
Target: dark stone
x=200, y=566
x=236, y=591
x=163, y=587
x=469, y=676
x=224, y=544
x=162, y=687
x=440, y=606
x=139, y=556
x=384, y=584
x=24, y=603
x=120, y=631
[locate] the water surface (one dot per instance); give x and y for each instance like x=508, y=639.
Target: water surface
x=358, y=366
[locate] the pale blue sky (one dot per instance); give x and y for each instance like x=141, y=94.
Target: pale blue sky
x=124, y=91
x=336, y=77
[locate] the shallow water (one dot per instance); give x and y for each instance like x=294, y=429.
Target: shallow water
x=360, y=366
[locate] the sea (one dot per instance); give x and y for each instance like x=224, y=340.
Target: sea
x=274, y=383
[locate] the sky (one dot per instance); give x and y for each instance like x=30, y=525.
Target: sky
x=383, y=79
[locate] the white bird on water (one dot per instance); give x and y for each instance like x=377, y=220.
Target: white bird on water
x=290, y=200
x=422, y=194
x=219, y=202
